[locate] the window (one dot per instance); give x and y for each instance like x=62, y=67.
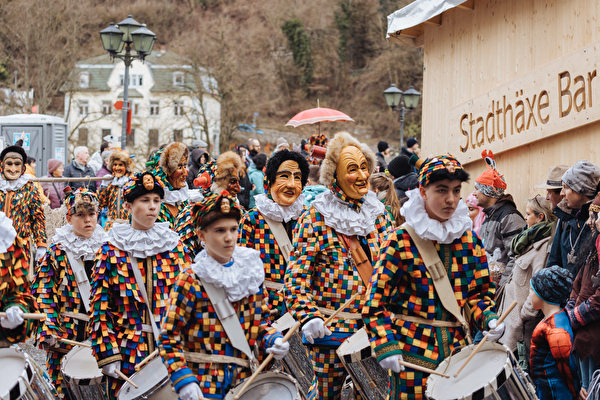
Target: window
x=178, y=135
x=83, y=108
x=130, y=139
x=105, y=132
x=152, y=139
x=136, y=109
x=154, y=109
x=82, y=139
x=84, y=80
x=178, y=108
x=134, y=80
x=178, y=78
x=105, y=107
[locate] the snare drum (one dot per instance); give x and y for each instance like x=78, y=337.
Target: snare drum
x=369, y=378
x=268, y=385
x=22, y=378
x=493, y=373
x=81, y=375
x=153, y=381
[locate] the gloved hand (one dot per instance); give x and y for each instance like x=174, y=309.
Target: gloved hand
x=191, y=391
x=495, y=331
x=109, y=369
x=314, y=329
x=279, y=349
x=39, y=253
x=392, y=363
x=14, y=318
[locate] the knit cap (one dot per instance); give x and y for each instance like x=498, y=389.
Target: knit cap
x=53, y=165
x=553, y=285
x=410, y=142
x=399, y=166
x=430, y=165
x=382, y=146
x=583, y=178
x=490, y=183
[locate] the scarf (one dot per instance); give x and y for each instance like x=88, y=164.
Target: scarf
x=529, y=236
x=354, y=204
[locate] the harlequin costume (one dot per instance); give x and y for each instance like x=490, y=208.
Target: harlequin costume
x=21, y=203
x=62, y=284
x=321, y=275
x=14, y=285
x=402, y=301
x=317, y=140
x=195, y=345
x=121, y=331
x=111, y=192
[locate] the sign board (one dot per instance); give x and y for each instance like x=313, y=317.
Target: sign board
x=557, y=97
x=59, y=154
x=25, y=137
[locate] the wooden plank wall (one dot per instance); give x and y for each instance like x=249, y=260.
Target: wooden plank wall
x=472, y=52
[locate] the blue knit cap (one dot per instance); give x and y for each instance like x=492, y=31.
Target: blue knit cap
x=553, y=285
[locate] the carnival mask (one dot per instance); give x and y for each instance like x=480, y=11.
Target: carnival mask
x=118, y=169
x=225, y=206
x=178, y=178
x=288, y=183
x=12, y=167
x=353, y=172
x=148, y=182
x=233, y=186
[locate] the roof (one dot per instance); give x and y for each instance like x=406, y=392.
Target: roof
x=31, y=119
x=131, y=94
x=407, y=25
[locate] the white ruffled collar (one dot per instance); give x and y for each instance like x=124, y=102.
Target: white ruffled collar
x=120, y=182
x=177, y=196
x=277, y=212
x=7, y=233
x=242, y=279
x=143, y=243
x=442, y=232
x=80, y=246
x=15, y=185
x=339, y=216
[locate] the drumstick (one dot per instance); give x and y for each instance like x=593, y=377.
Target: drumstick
x=126, y=379
x=28, y=315
x=422, y=369
x=145, y=360
x=500, y=320
x=266, y=361
x=74, y=343
x=339, y=310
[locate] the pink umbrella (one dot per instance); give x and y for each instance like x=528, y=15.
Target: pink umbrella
x=317, y=115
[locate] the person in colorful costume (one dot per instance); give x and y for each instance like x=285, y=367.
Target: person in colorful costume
x=214, y=177
x=62, y=281
x=316, y=140
x=282, y=203
x=402, y=303
x=15, y=297
x=20, y=200
x=111, y=192
x=121, y=330
x=193, y=334
x=321, y=274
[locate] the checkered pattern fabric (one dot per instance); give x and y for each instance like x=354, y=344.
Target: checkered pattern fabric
x=184, y=226
x=330, y=372
x=191, y=325
x=117, y=309
x=108, y=199
x=14, y=290
x=407, y=385
x=401, y=285
x=165, y=215
x=24, y=207
x=431, y=165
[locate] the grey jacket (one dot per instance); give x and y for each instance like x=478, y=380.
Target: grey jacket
x=503, y=221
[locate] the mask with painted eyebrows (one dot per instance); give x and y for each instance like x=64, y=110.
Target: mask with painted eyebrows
x=288, y=183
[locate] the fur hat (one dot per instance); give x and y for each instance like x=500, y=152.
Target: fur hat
x=335, y=147
x=171, y=155
x=122, y=156
x=228, y=165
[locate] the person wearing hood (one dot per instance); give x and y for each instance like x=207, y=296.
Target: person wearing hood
x=313, y=188
x=404, y=176
x=502, y=219
x=198, y=157
x=383, y=151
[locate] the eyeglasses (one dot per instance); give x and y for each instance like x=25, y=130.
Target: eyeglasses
x=536, y=200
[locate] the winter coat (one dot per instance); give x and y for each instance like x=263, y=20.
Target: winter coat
x=29, y=170
x=95, y=162
x=54, y=192
x=381, y=164
x=194, y=166
x=405, y=183
x=244, y=195
x=256, y=177
x=502, y=222
x=311, y=192
x=103, y=172
x=76, y=170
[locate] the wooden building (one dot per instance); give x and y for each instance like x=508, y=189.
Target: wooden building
x=518, y=77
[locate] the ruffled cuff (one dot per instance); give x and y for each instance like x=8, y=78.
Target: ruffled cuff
x=182, y=377
x=270, y=339
x=387, y=349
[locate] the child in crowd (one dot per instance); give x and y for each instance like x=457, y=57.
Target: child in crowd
x=554, y=367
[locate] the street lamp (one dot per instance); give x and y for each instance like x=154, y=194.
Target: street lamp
x=114, y=39
x=394, y=98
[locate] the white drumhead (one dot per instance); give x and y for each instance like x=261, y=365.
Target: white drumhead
x=487, y=364
x=285, y=322
x=268, y=385
x=355, y=343
x=151, y=375
x=12, y=365
x=79, y=363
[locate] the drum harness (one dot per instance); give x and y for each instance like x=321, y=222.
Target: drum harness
x=84, y=287
x=285, y=248
x=152, y=328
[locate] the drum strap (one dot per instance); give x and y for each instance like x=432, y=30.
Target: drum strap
x=229, y=320
x=439, y=275
x=341, y=315
x=81, y=278
x=78, y=316
x=281, y=237
x=424, y=321
x=358, y=257
x=273, y=285
x=215, y=358
x=142, y=288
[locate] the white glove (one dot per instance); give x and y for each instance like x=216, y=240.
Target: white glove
x=39, y=253
x=14, y=318
x=314, y=329
x=109, y=369
x=191, y=391
x=495, y=332
x=279, y=349
x=392, y=363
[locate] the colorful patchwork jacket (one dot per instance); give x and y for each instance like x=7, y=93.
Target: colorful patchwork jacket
x=117, y=308
x=24, y=207
x=320, y=275
x=109, y=198
x=191, y=325
x=184, y=226
x=401, y=285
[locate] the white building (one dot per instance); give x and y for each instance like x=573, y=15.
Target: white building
x=170, y=102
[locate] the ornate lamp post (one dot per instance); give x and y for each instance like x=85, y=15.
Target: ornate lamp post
x=114, y=39
x=398, y=100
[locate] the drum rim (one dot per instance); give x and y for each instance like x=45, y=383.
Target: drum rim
x=95, y=380
x=277, y=374
x=27, y=373
x=151, y=390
